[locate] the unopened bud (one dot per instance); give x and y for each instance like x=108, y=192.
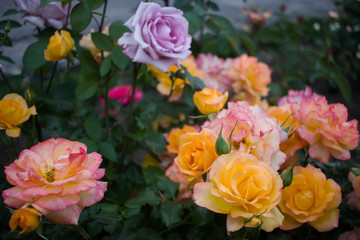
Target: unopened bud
x=221, y=146
x=287, y=176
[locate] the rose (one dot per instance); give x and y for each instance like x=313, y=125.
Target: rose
x=86, y=42
x=27, y=219
x=350, y=235
x=123, y=94
x=196, y=154
x=174, y=174
x=13, y=112
x=255, y=132
x=325, y=128
x=209, y=100
x=166, y=86
x=58, y=178
x=297, y=97
x=174, y=137
x=59, y=47
x=353, y=198
x=53, y=14
x=241, y=186
x=310, y=198
x=159, y=36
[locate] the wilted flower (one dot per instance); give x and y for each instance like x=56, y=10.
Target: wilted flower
x=123, y=94
x=58, y=178
x=53, y=14
x=312, y=199
x=59, y=47
x=241, y=186
x=159, y=36
x=25, y=220
x=13, y=112
x=209, y=100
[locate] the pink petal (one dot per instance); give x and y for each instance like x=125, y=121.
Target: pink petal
x=94, y=195
x=54, y=202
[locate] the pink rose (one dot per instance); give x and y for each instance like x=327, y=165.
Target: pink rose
x=325, y=128
x=255, y=132
x=350, y=235
x=123, y=94
x=58, y=178
x=215, y=71
x=159, y=36
x=353, y=198
x=297, y=97
x=53, y=14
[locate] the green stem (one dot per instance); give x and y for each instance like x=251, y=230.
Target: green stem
x=103, y=16
x=67, y=16
x=6, y=80
x=38, y=127
x=41, y=79
x=135, y=76
x=107, y=83
x=51, y=77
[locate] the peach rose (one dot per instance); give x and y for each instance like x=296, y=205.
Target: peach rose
x=350, y=235
x=312, y=199
x=175, y=175
x=247, y=74
x=326, y=129
x=26, y=220
x=255, y=132
x=284, y=115
x=164, y=85
x=196, y=154
x=353, y=198
x=297, y=97
x=209, y=100
x=58, y=178
x=174, y=137
x=86, y=42
x=59, y=47
x=13, y=112
x=241, y=186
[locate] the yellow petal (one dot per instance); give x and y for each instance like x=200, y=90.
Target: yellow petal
x=326, y=222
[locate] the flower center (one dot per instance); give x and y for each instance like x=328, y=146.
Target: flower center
x=50, y=175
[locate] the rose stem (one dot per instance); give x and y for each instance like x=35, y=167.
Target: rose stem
x=6, y=80
x=51, y=77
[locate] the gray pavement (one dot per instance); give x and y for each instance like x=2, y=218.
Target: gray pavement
x=123, y=9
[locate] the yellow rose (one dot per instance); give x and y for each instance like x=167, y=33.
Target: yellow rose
x=311, y=198
x=196, y=154
x=13, y=112
x=174, y=138
x=26, y=219
x=59, y=46
x=241, y=186
x=209, y=100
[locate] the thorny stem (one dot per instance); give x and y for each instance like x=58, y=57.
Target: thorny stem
x=6, y=80
x=51, y=77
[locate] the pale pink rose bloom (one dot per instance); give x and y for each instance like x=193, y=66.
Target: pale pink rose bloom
x=353, y=198
x=249, y=75
x=53, y=14
x=334, y=14
x=255, y=132
x=123, y=94
x=159, y=36
x=175, y=175
x=214, y=71
x=86, y=42
x=325, y=128
x=257, y=19
x=297, y=97
x=350, y=235
x=58, y=178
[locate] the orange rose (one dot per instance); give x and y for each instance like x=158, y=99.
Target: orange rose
x=310, y=198
x=241, y=186
x=196, y=153
x=26, y=219
x=209, y=100
x=59, y=47
x=174, y=138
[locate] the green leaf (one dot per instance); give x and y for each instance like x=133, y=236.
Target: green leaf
x=34, y=56
x=11, y=12
x=249, y=44
x=119, y=58
x=170, y=213
x=188, y=94
x=93, y=127
x=355, y=171
x=157, y=142
x=43, y=3
x=116, y=30
x=105, y=66
x=168, y=187
x=86, y=89
x=287, y=176
x=147, y=234
x=94, y=4
x=108, y=151
x=152, y=174
x=195, y=21
x=146, y=196
x=88, y=63
x=102, y=41
x=201, y=216
x=6, y=59
x=90, y=144
x=194, y=81
x=80, y=17
x=343, y=84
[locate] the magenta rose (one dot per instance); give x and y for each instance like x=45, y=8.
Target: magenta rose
x=159, y=36
x=53, y=14
x=123, y=94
